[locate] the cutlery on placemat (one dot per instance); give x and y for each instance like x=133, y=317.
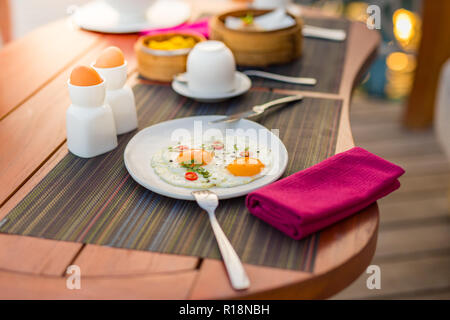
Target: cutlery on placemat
x=208, y=201
x=323, y=33
x=263, y=74
x=279, y=77
x=258, y=110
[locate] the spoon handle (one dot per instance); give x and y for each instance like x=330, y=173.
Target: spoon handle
x=279, y=77
x=324, y=33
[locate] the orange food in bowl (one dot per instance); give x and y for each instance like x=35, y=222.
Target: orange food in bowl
x=111, y=57
x=85, y=76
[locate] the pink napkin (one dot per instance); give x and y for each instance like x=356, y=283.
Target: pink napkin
x=332, y=190
x=199, y=27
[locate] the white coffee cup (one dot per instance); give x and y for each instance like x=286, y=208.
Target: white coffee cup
x=211, y=68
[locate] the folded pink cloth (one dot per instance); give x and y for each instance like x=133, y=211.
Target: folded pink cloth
x=332, y=190
x=197, y=27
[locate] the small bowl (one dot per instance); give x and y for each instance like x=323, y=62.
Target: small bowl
x=162, y=65
x=259, y=48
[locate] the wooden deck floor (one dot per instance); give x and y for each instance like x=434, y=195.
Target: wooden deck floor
x=413, y=249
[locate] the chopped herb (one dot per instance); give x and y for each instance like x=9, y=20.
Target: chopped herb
x=196, y=168
x=248, y=18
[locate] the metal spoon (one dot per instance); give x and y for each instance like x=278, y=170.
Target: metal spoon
x=279, y=77
x=324, y=33
x=181, y=77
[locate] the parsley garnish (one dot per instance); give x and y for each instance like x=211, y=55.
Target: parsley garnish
x=248, y=18
x=196, y=168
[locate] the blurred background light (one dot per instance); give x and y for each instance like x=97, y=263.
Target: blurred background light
x=407, y=29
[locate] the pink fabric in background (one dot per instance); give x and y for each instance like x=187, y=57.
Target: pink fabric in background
x=332, y=190
x=199, y=27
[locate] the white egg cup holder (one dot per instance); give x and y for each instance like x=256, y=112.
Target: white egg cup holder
x=90, y=125
x=120, y=97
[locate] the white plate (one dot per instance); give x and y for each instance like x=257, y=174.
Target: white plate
x=99, y=16
x=141, y=148
x=243, y=84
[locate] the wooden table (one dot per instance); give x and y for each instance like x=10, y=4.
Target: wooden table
x=33, y=100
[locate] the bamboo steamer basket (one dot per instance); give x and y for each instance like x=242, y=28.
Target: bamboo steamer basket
x=162, y=65
x=259, y=48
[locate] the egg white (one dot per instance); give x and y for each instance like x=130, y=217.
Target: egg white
x=167, y=168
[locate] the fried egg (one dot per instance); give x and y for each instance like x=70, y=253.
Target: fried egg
x=214, y=163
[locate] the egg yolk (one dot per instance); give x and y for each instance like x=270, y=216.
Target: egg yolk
x=110, y=57
x=194, y=156
x=245, y=167
x=85, y=76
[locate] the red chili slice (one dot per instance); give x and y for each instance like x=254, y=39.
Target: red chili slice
x=191, y=176
x=245, y=154
x=217, y=145
x=181, y=148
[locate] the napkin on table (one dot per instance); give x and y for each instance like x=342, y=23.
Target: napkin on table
x=200, y=26
x=325, y=193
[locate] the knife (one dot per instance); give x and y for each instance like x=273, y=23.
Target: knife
x=258, y=110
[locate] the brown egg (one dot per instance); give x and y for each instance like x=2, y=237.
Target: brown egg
x=85, y=76
x=110, y=57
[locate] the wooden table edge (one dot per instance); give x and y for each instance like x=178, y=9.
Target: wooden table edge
x=325, y=284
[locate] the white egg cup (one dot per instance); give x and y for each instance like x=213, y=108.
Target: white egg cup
x=120, y=97
x=211, y=68
x=89, y=121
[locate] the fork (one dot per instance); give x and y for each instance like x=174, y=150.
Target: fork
x=208, y=201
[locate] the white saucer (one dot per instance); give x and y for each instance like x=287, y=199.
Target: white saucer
x=99, y=16
x=243, y=84
x=141, y=148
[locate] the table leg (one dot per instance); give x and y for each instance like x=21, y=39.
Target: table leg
x=433, y=52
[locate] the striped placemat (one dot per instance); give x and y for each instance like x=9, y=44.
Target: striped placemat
x=321, y=59
x=96, y=201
